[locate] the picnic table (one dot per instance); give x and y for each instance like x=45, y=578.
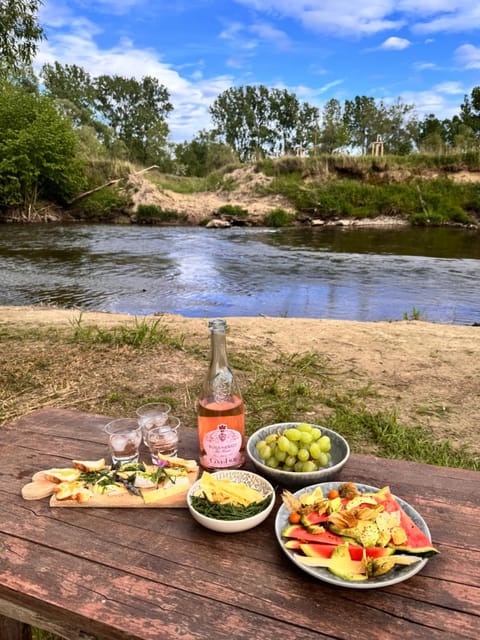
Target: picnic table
x=150, y=574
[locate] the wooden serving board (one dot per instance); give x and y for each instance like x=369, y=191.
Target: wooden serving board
x=172, y=497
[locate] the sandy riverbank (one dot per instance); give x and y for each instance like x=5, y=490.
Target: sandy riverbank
x=428, y=373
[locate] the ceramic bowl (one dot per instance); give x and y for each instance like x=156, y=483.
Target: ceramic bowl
x=340, y=452
x=248, y=478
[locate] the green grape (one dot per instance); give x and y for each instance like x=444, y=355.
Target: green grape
x=265, y=452
x=304, y=427
x=303, y=455
x=293, y=449
x=324, y=444
x=290, y=461
x=306, y=437
x=292, y=434
x=297, y=449
x=283, y=443
x=315, y=451
x=323, y=460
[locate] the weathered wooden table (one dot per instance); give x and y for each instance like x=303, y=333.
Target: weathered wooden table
x=151, y=574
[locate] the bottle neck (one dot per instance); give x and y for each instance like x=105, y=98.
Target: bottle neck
x=220, y=384
x=218, y=347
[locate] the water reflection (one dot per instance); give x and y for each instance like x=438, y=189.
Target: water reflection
x=362, y=274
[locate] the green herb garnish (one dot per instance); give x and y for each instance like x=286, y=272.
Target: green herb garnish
x=228, y=511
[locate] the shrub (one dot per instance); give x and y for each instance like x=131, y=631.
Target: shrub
x=278, y=218
x=103, y=205
x=152, y=214
x=233, y=210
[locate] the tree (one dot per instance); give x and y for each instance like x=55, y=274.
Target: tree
x=333, y=134
x=202, y=155
x=136, y=111
x=256, y=121
x=73, y=88
x=231, y=121
x=367, y=121
x=360, y=118
x=19, y=33
x=432, y=136
x=37, y=151
x=470, y=111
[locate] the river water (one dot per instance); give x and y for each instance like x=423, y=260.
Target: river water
x=360, y=274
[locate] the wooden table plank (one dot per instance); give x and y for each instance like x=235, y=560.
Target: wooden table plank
x=128, y=573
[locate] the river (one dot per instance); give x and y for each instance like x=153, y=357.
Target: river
x=355, y=274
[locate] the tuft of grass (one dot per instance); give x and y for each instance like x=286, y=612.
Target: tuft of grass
x=415, y=314
x=278, y=218
x=151, y=214
x=233, y=210
x=395, y=441
x=139, y=334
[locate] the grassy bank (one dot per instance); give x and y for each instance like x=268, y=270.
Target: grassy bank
x=106, y=370
x=421, y=189
x=417, y=189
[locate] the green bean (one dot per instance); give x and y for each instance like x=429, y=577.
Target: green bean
x=228, y=511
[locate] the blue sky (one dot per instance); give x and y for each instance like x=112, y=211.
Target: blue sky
x=423, y=52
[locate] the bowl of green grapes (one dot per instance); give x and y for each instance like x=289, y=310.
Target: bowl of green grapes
x=297, y=454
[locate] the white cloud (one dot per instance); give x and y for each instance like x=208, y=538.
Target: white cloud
x=270, y=34
x=395, y=44
x=433, y=101
x=468, y=56
x=368, y=17
x=330, y=85
x=425, y=66
x=449, y=88
x=339, y=17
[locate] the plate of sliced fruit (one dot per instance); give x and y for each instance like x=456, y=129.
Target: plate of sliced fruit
x=353, y=535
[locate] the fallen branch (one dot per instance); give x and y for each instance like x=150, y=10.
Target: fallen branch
x=109, y=183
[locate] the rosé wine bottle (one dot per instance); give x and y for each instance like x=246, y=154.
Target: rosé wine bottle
x=220, y=409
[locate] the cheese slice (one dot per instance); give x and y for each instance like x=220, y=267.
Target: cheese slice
x=181, y=485
x=62, y=475
x=89, y=465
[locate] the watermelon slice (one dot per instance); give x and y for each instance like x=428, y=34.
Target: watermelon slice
x=313, y=518
x=316, y=550
x=417, y=542
x=300, y=533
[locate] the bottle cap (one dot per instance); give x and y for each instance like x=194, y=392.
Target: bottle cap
x=218, y=325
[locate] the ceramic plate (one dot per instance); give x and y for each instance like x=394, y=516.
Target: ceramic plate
x=398, y=574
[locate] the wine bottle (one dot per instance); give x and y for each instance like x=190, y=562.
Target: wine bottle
x=220, y=409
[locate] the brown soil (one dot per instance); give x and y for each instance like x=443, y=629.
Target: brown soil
x=204, y=205
x=427, y=373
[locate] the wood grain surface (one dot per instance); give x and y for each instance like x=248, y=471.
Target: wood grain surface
x=143, y=574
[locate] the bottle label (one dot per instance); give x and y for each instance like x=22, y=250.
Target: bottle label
x=222, y=447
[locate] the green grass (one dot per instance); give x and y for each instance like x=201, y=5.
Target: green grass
x=140, y=333
x=278, y=218
x=388, y=439
x=151, y=214
x=432, y=202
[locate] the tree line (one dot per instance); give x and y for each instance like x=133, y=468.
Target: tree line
x=50, y=125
